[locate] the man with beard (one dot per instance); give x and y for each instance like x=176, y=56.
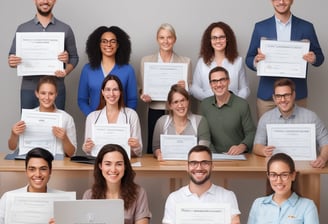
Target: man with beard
x=283, y=26
x=200, y=188
x=44, y=21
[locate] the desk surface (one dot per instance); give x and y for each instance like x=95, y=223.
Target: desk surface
x=148, y=163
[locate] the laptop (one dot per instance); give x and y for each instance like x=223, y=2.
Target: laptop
x=89, y=211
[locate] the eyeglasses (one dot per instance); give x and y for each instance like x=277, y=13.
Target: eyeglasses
x=283, y=176
x=216, y=81
x=216, y=38
x=106, y=42
x=177, y=102
x=203, y=163
x=286, y=96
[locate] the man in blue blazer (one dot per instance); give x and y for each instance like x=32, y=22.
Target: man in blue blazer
x=283, y=26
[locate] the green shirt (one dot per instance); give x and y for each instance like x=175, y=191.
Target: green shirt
x=230, y=124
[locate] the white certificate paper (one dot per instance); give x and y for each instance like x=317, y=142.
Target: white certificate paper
x=283, y=58
x=38, y=131
x=39, y=52
x=103, y=134
x=176, y=147
x=33, y=208
x=159, y=77
x=209, y=213
x=296, y=140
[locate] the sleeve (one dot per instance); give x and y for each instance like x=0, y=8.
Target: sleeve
x=158, y=130
x=88, y=128
x=196, y=88
x=3, y=208
x=253, y=213
x=141, y=78
x=189, y=77
x=87, y=194
x=142, y=208
x=204, y=136
x=261, y=132
x=252, y=50
x=315, y=47
x=243, y=84
x=83, y=95
x=131, y=89
x=311, y=214
x=321, y=132
x=70, y=47
x=248, y=127
x=169, y=211
x=135, y=131
x=71, y=130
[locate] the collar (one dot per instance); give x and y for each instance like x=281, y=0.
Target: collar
x=292, y=200
x=278, y=21
x=278, y=114
x=160, y=60
x=38, y=109
x=188, y=193
x=36, y=20
x=229, y=103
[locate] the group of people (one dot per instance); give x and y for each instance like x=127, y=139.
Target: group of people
x=114, y=178
x=108, y=93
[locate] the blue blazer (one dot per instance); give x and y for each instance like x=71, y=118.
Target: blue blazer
x=300, y=30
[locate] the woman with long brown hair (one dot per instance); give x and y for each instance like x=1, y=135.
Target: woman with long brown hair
x=114, y=179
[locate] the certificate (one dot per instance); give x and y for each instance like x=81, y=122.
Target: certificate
x=33, y=208
x=296, y=140
x=38, y=131
x=39, y=52
x=103, y=134
x=159, y=77
x=209, y=213
x=283, y=59
x=176, y=147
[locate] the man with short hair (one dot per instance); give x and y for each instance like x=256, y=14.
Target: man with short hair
x=287, y=112
x=44, y=21
x=283, y=26
x=200, y=188
x=229, y=117
x=38, y=166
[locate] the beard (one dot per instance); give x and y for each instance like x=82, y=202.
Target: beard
x=200, y=182
x=44, y=13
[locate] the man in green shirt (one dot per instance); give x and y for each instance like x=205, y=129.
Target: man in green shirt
x=229, y=117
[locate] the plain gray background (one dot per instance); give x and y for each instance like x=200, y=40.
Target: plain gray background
x=140, y=19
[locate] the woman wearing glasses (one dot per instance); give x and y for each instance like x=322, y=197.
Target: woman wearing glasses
x=111, y=110
x=219, y=48
x=108, y=50
x=180, y=121
x=166, y=38
x=283, y=205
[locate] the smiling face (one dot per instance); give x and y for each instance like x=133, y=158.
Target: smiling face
x=111, y=92
x=218, y=39
x=38, y=174
x=46, y=94
x=108, y=44
x=284, y=98
x=219, y=83
x=199, y=167
x=112, y=167
x=282, y=7
x=44, y=7
x=179, y=105
x=282, y=186
x=165, y=40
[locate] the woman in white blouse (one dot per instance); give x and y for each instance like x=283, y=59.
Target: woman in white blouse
x=111, y=110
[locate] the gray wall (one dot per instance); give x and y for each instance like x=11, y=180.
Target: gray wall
x=141, y=19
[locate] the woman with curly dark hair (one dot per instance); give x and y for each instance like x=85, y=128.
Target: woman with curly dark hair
x=108, y=50
x=219, y=48
x=114, y=178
